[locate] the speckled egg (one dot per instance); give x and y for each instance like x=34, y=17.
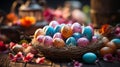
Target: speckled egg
x=106, y=50
x=88, y=33
x=76, y=27
x=117, y=42
x=66, y=31
x=39, y=32
x=82, y=42
x=53, y=24
x=49, y=31
x=89, y=57
x=77, y=36
x=71, y=41
x=47, y=40
x=57, y=28
x=59, y=43
x=57, y=35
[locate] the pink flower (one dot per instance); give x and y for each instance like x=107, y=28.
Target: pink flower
x=109, y=58
x=40, y=60
x=25, y=45
x=19, y=56
x=2, y=46
x=12, y=44
x=77, y=64
x=11, y=56
x=28, y=57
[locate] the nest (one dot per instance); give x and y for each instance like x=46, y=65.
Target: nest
x=68, y=53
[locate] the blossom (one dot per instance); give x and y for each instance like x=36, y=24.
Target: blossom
x=28, y=57
x=40, y=60
x=77, y=64
x=108, y=57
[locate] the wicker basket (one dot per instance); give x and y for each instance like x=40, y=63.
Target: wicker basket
x=69, y=53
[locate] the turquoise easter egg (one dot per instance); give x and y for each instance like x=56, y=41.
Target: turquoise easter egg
x=89, y=57
x=117, y=42
x=53, y=24
x=49, y=31
x=71, y=41
x=76, y=27
x=77, y=35
x=88, y=33
x=57, y=28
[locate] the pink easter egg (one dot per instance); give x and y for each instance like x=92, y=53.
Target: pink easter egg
x=94, y=38
x=57, y=35
x=76, y=27
x=47, y=40
x=40, y=38
x=53, y=24
x=82, y=42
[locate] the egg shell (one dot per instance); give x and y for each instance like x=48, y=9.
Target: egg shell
x=53, y=24
x=82, y=42
x=45, y=27
x=57, y=35
x=66, y=31
x=71, y=41
x=57, y=28
x=76, y=27
x=94, y=39
x=117, y=42
x=88, y=33
x=111, y=45
x=40, y=38
x=89, y=57
x=49, y=31
x=106, y=50
x=48, y=41
x=77, y=36
x=105, y=40
x=39, y=32
x=59, y=43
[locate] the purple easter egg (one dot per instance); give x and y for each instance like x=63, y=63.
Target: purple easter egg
x=57, y=35
x=53, y=24
x=76, y=27
x=94, y=38
x=82, y=42
x=40, y=38
x=48, y=41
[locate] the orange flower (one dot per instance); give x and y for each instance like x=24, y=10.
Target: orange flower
x=12, y=17
x=104, y=28
x=27, y=21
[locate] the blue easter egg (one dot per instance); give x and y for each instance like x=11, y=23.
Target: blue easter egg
x=49, y=31
x=71, y=41
x=87, y=32
x=77, y=35
x=116, y=41
x=89, y=57
x=57, y=28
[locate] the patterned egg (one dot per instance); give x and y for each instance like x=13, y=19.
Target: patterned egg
x=49, y=31
x=88, y=33
x=106, y=50
x=66, y=31
x=45, y=27
x=47, y=40
x=59, y=43
x=77, y=36
x=40, y=38
x=117, y=42
x=53, y=24
x=89, y=57
x=76, y=27
x=82, y=42
x=39, y=32
x=57, y=35
x=91, y=29
x=57, y=28
x=71, y=41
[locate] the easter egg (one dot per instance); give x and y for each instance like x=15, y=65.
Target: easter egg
x=66, y=31
x=59, y=43
x=76, y=27
x=89, y=57
x=111, y=45
x=105, y=40
x=40, y=38
x=49, y=31
x=53, y=24
x=39, y=32
x=88, y=33
x=47, y=40
x=71, y=41
x=77, y=35
x=57, y=35
x=106, y=50
x=45, y=27
x=117, y=42
x=57, y=28
x=82, y=42
x=94, y=39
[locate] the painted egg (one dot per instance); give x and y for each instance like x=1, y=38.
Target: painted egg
x=105, y=40
x=76, y=27
x=49, y=31
x=57, y=28
x=71, y=41
x=91, y=29
x=53, y=24
x=88, y=33
x=77, y=36
x=57, y=35
x=106, y=50
x=66, y=31
x=89, y=57
x=40, y=38
x=117, y=42
x=39, y=32
x=94, y=39
x=111, y=45
x=45, y=27
x=59, y=43
x=47, y=40
x=82, y=42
